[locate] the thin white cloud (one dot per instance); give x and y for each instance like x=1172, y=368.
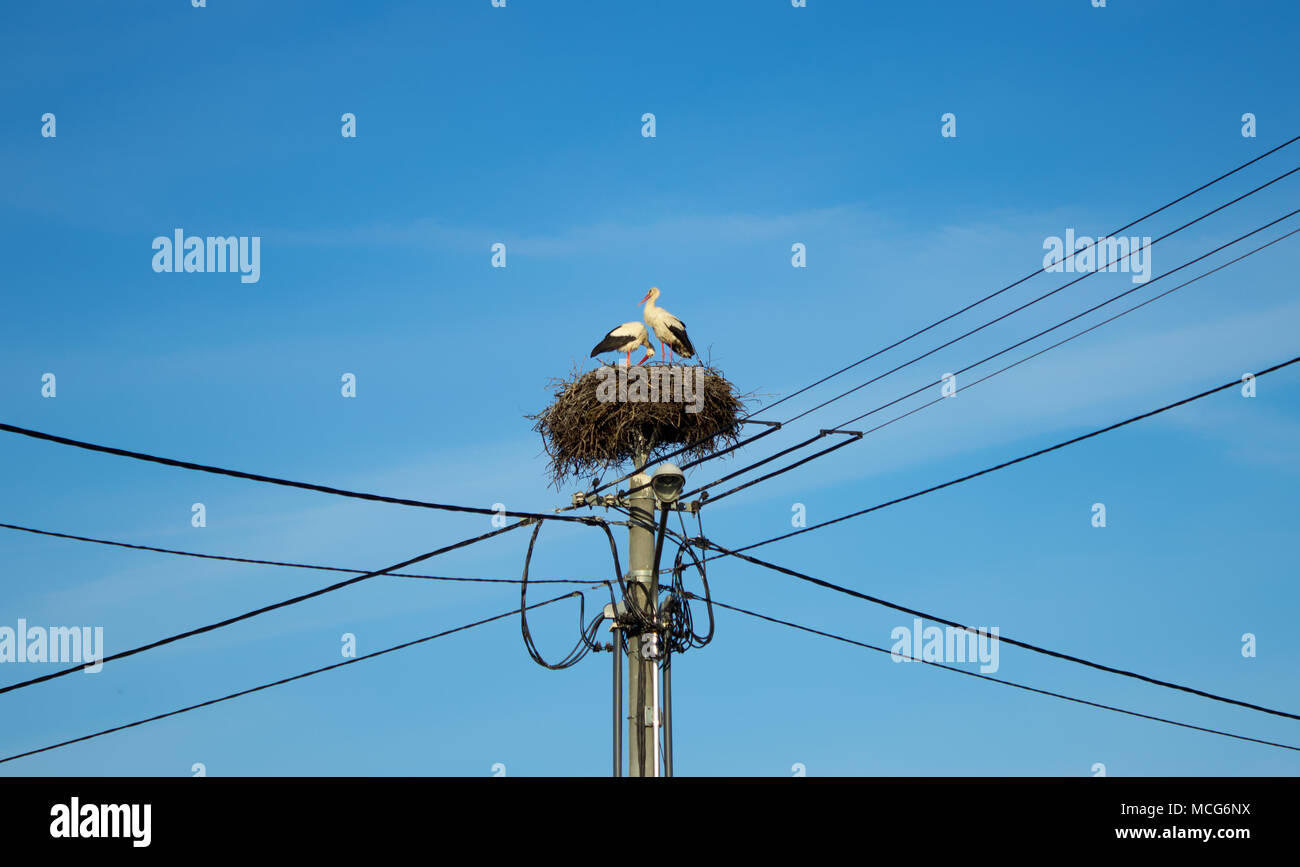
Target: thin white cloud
x=607, y=235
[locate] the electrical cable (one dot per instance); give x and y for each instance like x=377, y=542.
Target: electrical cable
x=257, y=562
x=1084, y=331
x=682, y=634
x=710, y=601
x=281, y=681
x=1100, y=305
x=1011, y=462
x=586, y=635
x=1081, y=277
x=264, y=609
x=763, y=478
x=1023, y=306
x=875, y=600
x=1041, y=270
x=1016, y=345
x=273, y=480
x=757, y=464
x=983, y=676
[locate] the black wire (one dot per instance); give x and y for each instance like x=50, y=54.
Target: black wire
x=282, y=681
x=1001, y=352
x=255, y=477
x=264, y=609
x=1107, y=321
x=1009, y=463
x=1083, y=276
x=613, y=550
x=660, y=533
x=1098, y=306
x=290, y=565
x=586, y=634
x=875, y=600
x=755, y=465
x=719, y=453
x=982, y=676
x=1028, y=276
x=785, y=469
x=682, y=629
x=678, y=635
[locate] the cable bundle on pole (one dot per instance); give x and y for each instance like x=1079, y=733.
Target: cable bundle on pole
x=586, y=631
x=681, y=633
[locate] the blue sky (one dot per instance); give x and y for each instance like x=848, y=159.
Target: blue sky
x=522, y=125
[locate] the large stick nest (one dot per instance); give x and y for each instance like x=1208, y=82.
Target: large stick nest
x=584, y=435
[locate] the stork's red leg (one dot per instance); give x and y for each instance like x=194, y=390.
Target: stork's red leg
x=629, y=359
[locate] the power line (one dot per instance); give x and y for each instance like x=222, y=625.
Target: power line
x=1009, y=463
x=875, y=600
x=706, y=543
x=1094, y=308
x=775, y=425
x=878, y=601
x=982, y=676
x=1106, y=321
x=1042, y=297
x=264, y=609
x=1001, y=352
x=1015, y=310
x=982, y=327
x=755, y=464
x=281, y=681
x=313, y=566
x=1041, y=270
x=273, y=480
x=770, y=458
x=885, y=603
x=826, y=451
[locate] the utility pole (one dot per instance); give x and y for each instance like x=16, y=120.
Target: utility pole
x=636, y=623
x=643, y=593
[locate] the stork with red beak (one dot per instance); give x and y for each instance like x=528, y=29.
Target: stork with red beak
x=670, y=330
x=625, y=338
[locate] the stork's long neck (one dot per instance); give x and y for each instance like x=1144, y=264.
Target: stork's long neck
x=651, y=310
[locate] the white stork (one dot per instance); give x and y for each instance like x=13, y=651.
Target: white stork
x=625, y=338
x=670, y=330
